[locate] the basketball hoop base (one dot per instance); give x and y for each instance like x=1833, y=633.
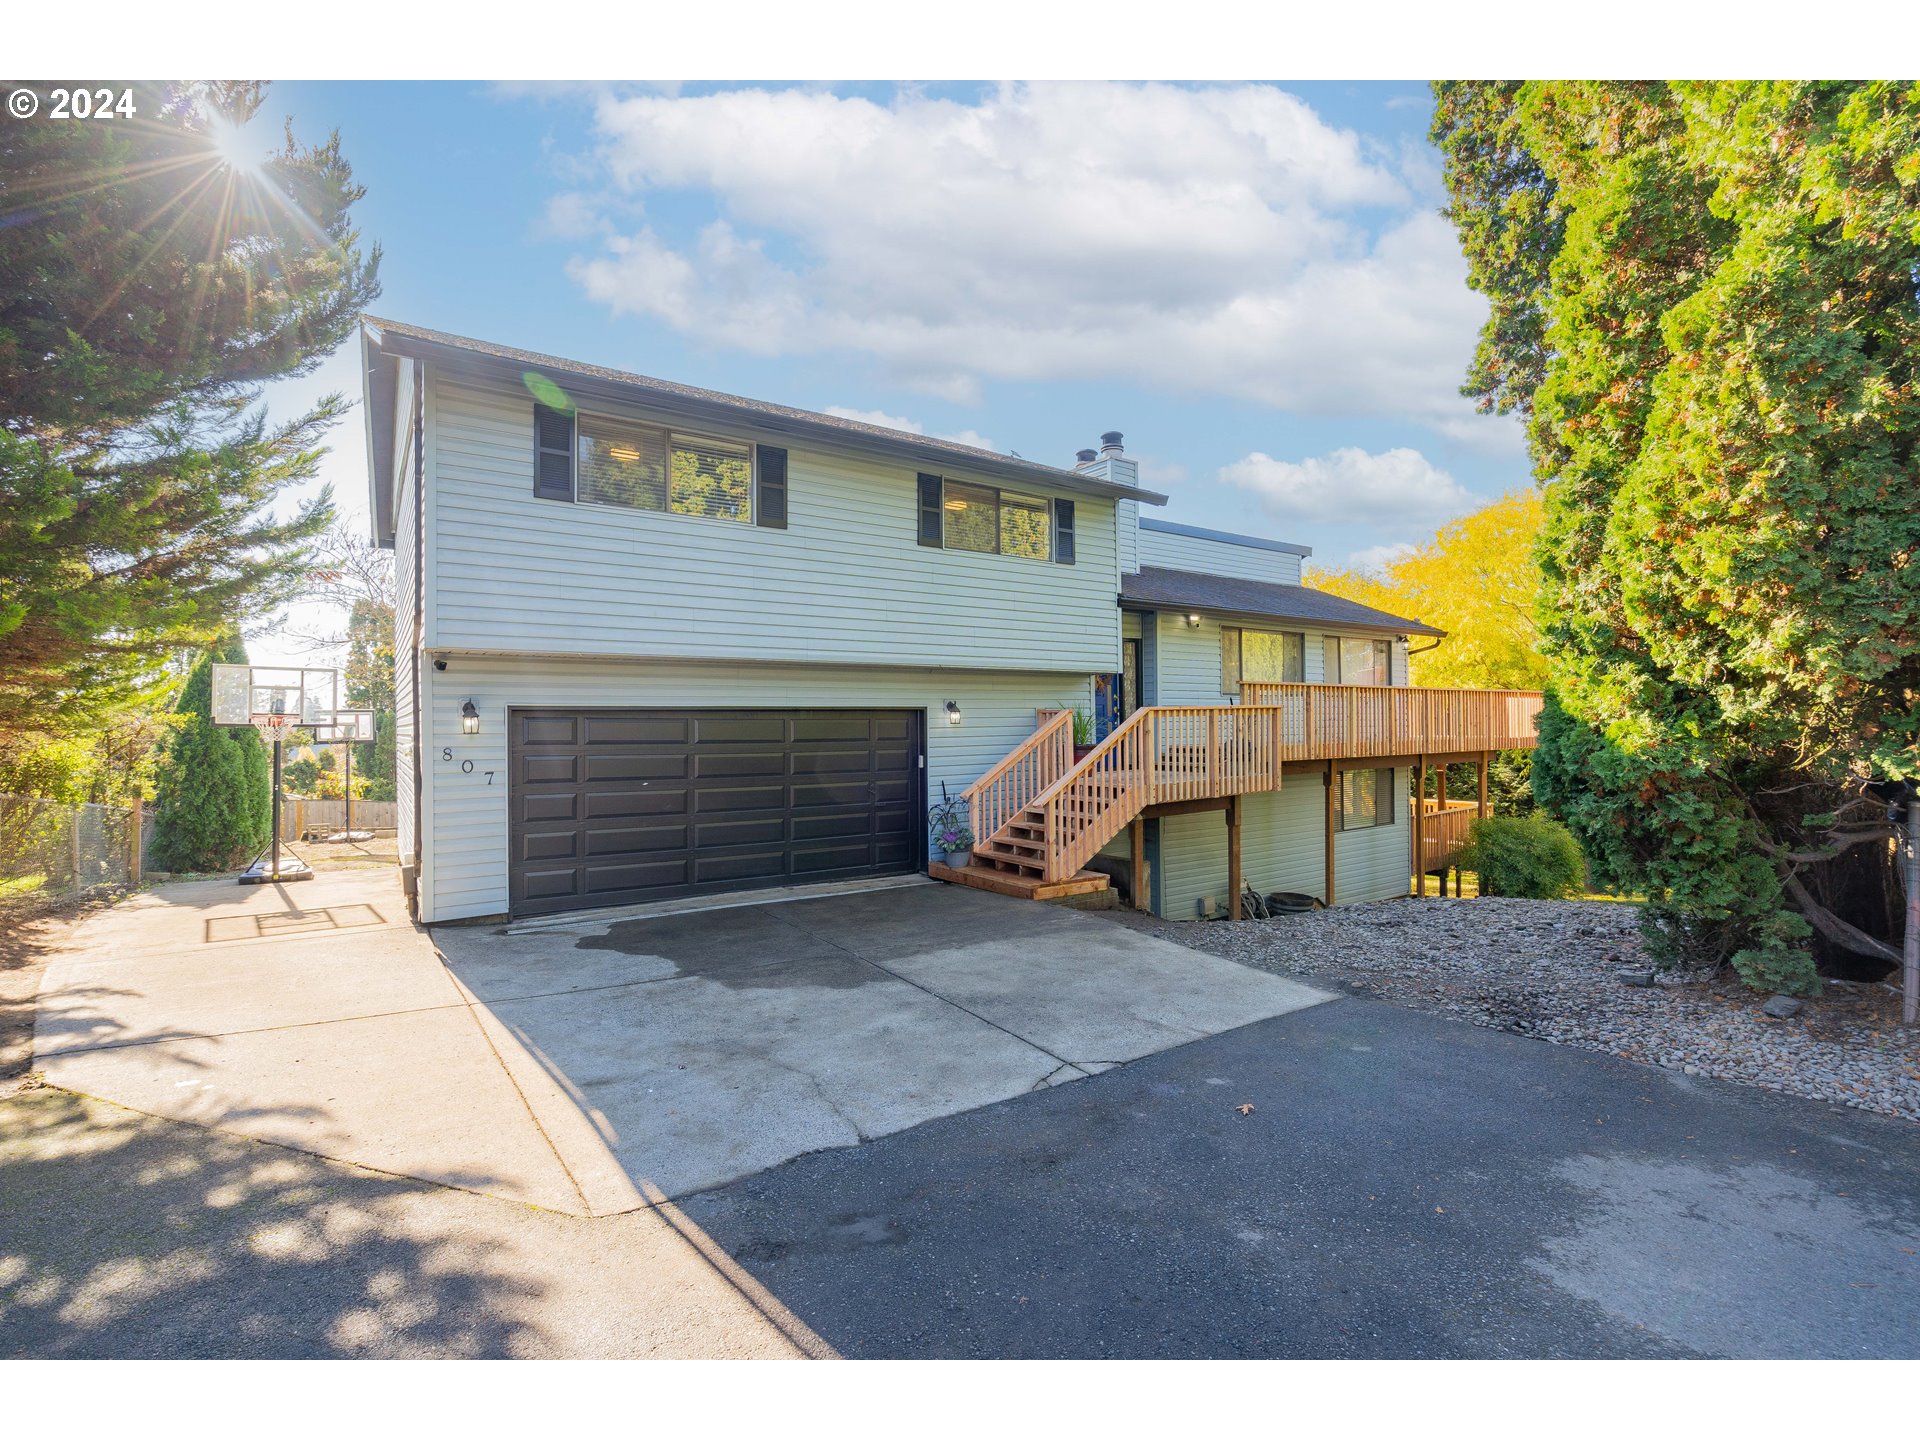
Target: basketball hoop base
x=262, y=872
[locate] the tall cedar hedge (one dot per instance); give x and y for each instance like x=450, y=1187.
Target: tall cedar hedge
x=212, y=793
x=1704, y=304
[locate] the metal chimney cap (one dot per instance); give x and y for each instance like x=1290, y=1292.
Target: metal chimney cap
x=1085, y=457
x=1111, y=440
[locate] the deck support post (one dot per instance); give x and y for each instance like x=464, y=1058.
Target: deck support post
x=1141, y=900
x=1486, y=757
x=1233, y=857
x=1420, y=827
x=1333, y=822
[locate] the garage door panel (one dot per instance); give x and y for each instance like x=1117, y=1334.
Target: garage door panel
x=550, y=730
x=733, y=867
x=552, y=845
x=611, y=768
x=560, y=805
x=832, y=826
x=616, y=804
x=765, y=830
x=626, y=729
x=613, y=879
x=611, y=807
x=833, y=762
x=728, y=728
x=550, y=770
x=634, y=839
x=713, y=799
x=542, y=883
x=750, y=764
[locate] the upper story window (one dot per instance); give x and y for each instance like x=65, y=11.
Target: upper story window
x=1260, y=655
x=955, y=515
x=1357, y=662
x=598, y=460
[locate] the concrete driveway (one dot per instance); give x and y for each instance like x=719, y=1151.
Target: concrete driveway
x=612, y=1063
x=709, y=1045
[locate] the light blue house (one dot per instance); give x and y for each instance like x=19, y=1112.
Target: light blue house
x=654, y=641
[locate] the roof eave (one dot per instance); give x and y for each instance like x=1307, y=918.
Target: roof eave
x=504, y=362
x=376, y=392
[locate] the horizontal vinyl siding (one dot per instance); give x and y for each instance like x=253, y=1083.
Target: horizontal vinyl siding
x=1161, y=550
x=468, y=835
x=1282, y=847
x=845, y=583
x=1377, y=863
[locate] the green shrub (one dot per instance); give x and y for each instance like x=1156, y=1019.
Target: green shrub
x=212, y=806
x=1778, y=961
x=1528, y=856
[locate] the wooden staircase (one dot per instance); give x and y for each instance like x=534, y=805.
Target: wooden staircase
x=1044, y=815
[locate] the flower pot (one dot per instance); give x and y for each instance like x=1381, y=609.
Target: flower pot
x=957, y=859
x=1080, y=752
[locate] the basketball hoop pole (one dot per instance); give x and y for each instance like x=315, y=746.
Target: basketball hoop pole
x=277, y=806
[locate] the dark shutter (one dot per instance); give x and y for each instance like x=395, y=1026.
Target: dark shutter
x=1063, y=532
x=770, y=506
x=552, y=453
x=930, y=514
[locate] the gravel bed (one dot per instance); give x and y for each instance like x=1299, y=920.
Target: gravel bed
x=1554, y=970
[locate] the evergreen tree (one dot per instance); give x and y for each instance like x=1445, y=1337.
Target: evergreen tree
x=1704, y=302
x=148, y=289
x=213, y=805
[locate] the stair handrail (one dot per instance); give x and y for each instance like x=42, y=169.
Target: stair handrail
x=1032, y=766
x=1132, y=736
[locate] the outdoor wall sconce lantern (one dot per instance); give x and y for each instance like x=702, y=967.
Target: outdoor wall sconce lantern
x=1193, y=622
x=953, y=712
x=469, y=719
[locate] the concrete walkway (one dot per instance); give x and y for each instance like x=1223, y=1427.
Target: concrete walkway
x=316, y=1016
x=615, y=1063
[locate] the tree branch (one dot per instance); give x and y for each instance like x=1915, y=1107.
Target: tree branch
x=1838, y=931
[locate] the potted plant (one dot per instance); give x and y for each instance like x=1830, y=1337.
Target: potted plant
x=1082, y=733
x=950, y=836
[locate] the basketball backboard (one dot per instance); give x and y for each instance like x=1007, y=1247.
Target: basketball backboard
x=274, y=696
x=354, y=725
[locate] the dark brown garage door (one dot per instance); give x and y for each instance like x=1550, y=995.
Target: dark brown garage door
x=611, y=807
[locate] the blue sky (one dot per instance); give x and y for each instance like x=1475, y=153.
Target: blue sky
x=1250, y=281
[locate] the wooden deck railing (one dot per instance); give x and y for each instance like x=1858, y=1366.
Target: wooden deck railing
x=1009, y=787
x=1443, y=831
x=1161, y=754
x=1350, y=722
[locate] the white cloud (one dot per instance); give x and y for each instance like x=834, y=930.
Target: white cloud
x=911, y=427
x=1375, y=558
x=1396, y=489
x=1223, y=239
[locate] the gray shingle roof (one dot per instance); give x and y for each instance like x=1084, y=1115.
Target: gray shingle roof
x=1156, y=589
x=765, y=413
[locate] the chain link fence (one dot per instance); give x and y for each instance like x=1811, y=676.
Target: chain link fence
x=51, y=852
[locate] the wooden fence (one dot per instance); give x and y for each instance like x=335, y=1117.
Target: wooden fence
x=300, y=817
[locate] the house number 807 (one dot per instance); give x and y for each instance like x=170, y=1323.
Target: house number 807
x=466, y=766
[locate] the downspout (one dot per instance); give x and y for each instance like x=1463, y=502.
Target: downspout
x=419, y=619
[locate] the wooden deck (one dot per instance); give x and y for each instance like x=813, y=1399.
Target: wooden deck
x=1039, y=816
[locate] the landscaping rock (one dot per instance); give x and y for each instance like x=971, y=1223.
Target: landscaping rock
x=1553, y=970
x=1781, y=1007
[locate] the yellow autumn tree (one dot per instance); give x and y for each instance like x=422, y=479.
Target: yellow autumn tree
x=1476, y=579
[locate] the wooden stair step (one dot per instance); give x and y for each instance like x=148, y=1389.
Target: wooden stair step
x=1025, y=887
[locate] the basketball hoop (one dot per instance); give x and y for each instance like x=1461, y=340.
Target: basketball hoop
x=276, y=700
